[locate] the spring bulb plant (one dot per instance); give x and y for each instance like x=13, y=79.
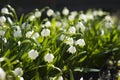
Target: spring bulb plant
x=36, y=48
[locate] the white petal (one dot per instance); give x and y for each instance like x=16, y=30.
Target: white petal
x=49, y=57
x=2, y=74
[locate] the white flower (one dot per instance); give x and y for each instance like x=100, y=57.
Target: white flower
x=32, y=17
x=33, y=54
x=45, y=32
x=21, y=78
x=37, y=14
x=83, y=17
x=81, y=78
x=80, y=26
x=2, y=19
x=35, y=35
x=72, y=49
x=17, y=33
x=65, y=11
x=108, y=24
x=71, y=17
x=4, y=11
x=74, y=13
x=58, y=78
x=9, y=20
x=25, y=25
x=5, y=40
x=2, y=33
x=2, y=59
x=49, y=57
x=47, y=24
x=19, y=42
x=58, y=24
x=2, y=74
x=18, y=71
x=29, y=33
x=80, y=42
x=62, y=37
x=69, y=41
x=72, y=30
x=50, y=12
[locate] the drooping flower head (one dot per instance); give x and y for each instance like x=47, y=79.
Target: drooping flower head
x=49, y=57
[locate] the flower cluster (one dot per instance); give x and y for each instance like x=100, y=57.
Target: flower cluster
x=46, y=49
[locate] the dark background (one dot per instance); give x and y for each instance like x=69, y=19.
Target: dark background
x=25, y=6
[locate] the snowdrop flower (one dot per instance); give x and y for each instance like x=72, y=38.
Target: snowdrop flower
x=58, y=24
x=71, y=17
x=5, y=40
x=59, y=78
x=2, y=33
x=29, y=33
x=74, y=13
x=83, y=17
x=81, y=78
x=2, y=19
x=33, y=54
x=19, y=42
x=49, y=57
x=50, y=12
x=32, y=17
x=21, y=78
x=18, y=71
x=4, y=11
x=47, y=24
x=9, y=20
x=37, y=14
x=62, y=37
x=80, y=26
x=90, y=16
x=2, y=74
x=65, y=11
x=25, y=25
x=45, y=32
x=80, y=42
x=72, y=49
x=2, y=59
x=69, y=41
x=35, y=35
x=98, y=13
x=17, y=33
x=72, y=30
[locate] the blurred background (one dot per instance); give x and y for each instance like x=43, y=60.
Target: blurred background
x=25, y=6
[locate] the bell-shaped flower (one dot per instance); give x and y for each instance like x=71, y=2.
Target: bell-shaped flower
x=62, y=37
x=33, y=54
x=58, y=23
x=80, y=26
x=2, y=19
x=58, y=78
x=2, y=32
x=4, y=11
x=65, y=11
x=80, y=42
x=72, y=49
x=45, y=32
x=81, y=78
x=37, y=14
x=72, y=30
x=49, y=57
x=69, y=41
x=18, y=71
x=35, y=35
x=50, y=12
x=17, y=33
x=48, y=24
x=71, y=17
x=29, y=33
x=2, y=74
x=32, y=17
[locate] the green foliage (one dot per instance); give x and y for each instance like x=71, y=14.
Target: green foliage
x=36, y=48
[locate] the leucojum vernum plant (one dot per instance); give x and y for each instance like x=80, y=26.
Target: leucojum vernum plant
x=53, y=47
